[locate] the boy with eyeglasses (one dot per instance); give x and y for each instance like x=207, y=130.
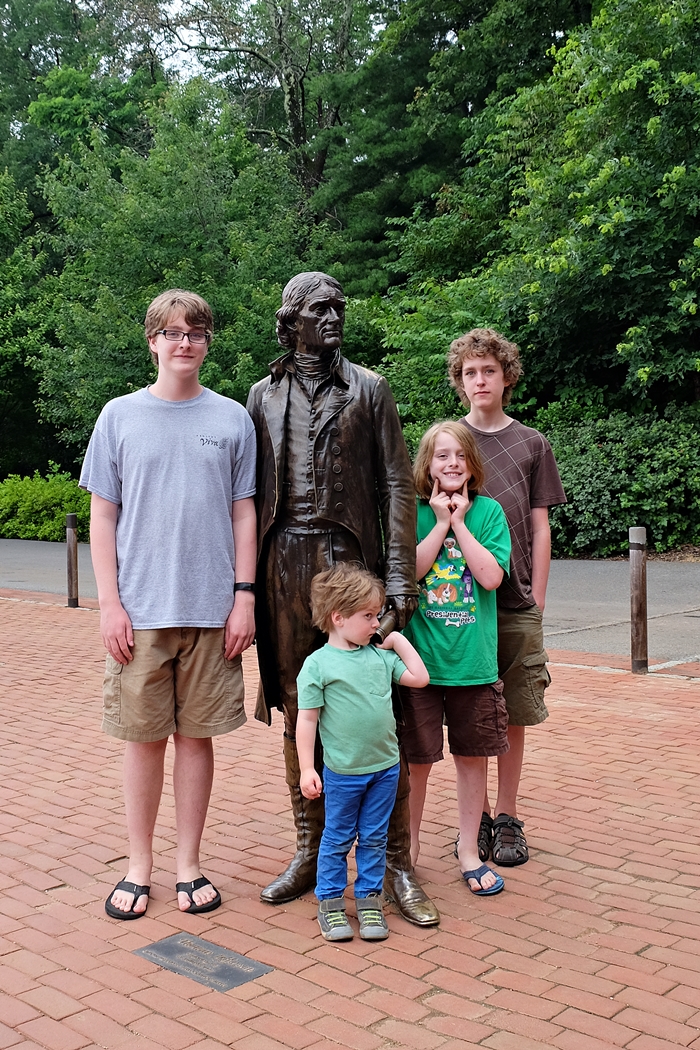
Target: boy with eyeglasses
x=171, y=470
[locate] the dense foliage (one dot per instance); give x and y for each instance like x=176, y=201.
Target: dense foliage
x=595, y=266
x=531, y=165
x=35, y=508
x=619, y=473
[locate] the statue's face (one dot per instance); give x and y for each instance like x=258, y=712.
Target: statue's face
x=320, y=320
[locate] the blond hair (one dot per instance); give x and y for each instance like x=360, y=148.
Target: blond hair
x=344, y=589
x=426, y=450
x=195, y=310
x=484, y=342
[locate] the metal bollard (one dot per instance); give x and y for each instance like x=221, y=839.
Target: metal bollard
x=638, y=601
x=72, y=559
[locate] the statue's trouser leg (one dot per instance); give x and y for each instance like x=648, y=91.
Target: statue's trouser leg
x=300, y=875
x=400, y=883
x=294, y=559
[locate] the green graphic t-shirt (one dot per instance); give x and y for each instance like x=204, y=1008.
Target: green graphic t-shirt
x=455, y=628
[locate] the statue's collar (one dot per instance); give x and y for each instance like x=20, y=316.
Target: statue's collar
x=340, y=367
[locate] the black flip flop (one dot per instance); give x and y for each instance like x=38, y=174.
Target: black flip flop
x=128, y=887
x=190, y=887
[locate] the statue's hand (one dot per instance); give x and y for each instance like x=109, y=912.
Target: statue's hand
x=404, y=605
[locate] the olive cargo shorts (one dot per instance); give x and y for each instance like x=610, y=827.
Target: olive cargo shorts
x=522, y=665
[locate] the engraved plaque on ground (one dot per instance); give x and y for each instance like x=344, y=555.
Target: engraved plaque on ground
x=203, y=961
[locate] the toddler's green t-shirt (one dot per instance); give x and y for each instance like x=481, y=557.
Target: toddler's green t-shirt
x=352, y=688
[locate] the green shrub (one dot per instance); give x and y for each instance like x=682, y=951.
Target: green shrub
x=623, y=471
x=35, y=508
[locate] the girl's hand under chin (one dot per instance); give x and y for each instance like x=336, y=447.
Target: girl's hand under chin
x=442, y=505
x=459, y=505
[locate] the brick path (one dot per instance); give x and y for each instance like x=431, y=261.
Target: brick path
x=593, y=945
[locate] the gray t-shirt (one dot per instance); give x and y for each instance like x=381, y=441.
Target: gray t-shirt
x=174, y=468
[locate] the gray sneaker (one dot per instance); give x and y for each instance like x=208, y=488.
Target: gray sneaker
x=333, y=920
x=373, y=925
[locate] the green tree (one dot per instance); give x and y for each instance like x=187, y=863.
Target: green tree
x=597, y=266
x=74, y=105
x=280, y=60
x=206, y=209
x=24, y=443
x=407, y=112
x=385, y=159
x=39, y=37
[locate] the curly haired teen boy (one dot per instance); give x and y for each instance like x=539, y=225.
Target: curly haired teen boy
x=521, y=474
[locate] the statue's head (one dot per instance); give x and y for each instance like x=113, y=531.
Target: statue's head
x=312, y=313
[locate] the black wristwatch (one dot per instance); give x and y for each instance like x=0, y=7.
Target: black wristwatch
x=244, y=587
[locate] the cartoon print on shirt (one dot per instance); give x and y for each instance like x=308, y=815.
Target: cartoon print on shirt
x=468, y=582
x=451, y=548
x=447, y=591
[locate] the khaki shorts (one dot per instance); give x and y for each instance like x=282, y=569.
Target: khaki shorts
x=177, y=682
x=522, y=665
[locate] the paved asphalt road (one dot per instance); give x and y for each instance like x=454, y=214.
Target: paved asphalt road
x=588, y=608
x=587, y=601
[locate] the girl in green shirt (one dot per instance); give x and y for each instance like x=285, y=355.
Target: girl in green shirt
x=462, y=553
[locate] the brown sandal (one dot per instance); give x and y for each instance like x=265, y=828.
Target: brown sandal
x=483, y=839
x=509, y=842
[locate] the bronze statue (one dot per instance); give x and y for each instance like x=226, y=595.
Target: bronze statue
x=334, y=484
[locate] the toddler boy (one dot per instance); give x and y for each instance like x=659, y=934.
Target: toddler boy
x=345, y=688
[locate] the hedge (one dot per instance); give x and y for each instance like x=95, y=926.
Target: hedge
x=623, y=471
x=617, y=472
x=35, y=508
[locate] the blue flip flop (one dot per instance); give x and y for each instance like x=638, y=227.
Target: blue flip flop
x=478, y=874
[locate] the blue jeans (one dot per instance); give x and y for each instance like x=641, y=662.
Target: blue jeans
x=357, y=807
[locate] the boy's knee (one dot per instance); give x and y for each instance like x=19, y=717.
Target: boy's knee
x=373, y=842
x=337, y=840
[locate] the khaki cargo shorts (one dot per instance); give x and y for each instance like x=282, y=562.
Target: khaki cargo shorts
x=522, y=665
x=177, y=682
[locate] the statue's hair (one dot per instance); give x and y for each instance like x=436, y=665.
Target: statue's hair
x=196, y=311
x=345, y=589
x=482, y=342
x=421, y=466
x=295, y=294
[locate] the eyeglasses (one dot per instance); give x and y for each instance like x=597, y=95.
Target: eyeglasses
x=173, y=336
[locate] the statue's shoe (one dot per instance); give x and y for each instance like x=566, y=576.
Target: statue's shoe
x=297, y=879
x=402, y=887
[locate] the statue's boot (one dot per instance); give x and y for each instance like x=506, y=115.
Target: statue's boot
x=400, y=883
x=300, y=875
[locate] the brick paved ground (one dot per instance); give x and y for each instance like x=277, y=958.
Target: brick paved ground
x=594, y=944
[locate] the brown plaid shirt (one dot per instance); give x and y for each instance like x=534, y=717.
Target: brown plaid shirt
x=521, y=473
